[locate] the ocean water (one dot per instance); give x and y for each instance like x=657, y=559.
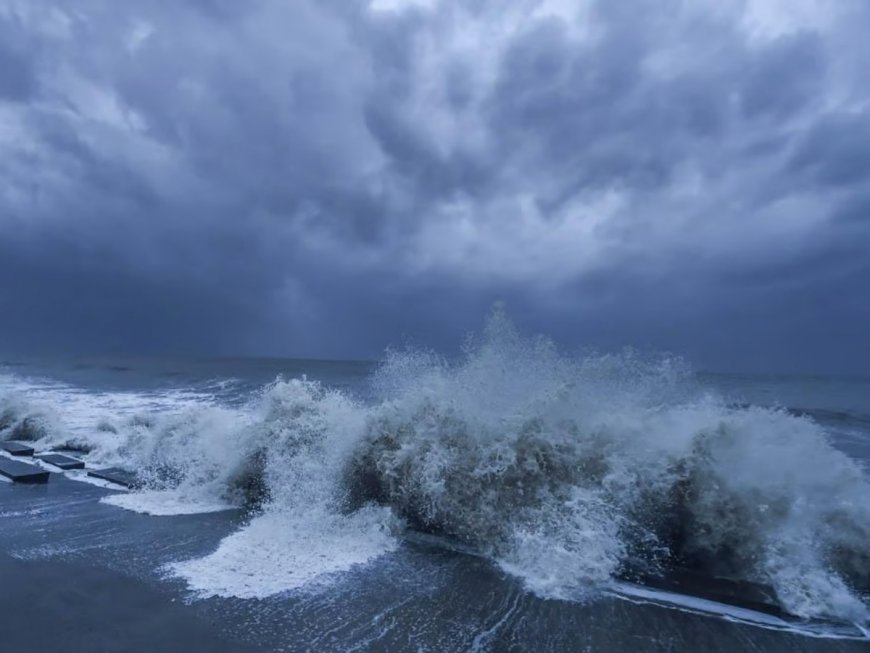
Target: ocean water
x=538, y=487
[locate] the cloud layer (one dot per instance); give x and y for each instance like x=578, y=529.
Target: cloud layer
x=325, y=178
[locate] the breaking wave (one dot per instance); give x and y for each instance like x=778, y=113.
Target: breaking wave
x=568, y=472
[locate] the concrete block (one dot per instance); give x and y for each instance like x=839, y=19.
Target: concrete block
x=62, y=461
x=115, y=475
x=16, y=449
x=22, y=472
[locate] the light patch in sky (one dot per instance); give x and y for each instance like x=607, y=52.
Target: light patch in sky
x=475, y=42
x=774, y=18
x=400, y=5
x=515, y=241
x=93, y=102
x=140, y=33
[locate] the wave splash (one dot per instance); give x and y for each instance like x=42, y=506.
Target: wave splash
x=569, y=472
x=573, y=472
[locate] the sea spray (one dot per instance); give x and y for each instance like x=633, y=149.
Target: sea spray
x=571, y=472
x=567, y=471
x=305, y=438
x=23, y=417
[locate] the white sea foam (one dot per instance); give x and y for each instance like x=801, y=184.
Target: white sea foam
x=168, y=502
x=695, y=605
x=278, y=552
x=55, y=414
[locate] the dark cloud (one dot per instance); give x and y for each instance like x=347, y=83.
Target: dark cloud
x=17, y=74
x=834, y=152
x=16, y=77
x=329, y=178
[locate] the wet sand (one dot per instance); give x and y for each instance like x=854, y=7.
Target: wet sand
x=67, y=607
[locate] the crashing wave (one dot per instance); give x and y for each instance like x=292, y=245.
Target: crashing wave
x=569, y=472
x=22, y=418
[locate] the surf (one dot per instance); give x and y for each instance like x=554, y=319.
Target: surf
x=576, y=474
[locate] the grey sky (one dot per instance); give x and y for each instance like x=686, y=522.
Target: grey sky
x=324, y=178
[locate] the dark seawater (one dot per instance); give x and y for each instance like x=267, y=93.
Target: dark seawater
x=514, y=499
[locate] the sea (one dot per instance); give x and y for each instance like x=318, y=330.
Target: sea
x=510, y=497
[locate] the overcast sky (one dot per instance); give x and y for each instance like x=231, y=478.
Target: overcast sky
x=323, y=178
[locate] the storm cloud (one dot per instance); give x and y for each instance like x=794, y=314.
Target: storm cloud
x=326, y=178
